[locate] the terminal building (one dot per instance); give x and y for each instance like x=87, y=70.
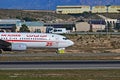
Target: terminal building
x=82, y=8
x=13, y=25
x=72, y=9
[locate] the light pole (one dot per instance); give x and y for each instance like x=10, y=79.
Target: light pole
x=107, y=26
x=107, y=7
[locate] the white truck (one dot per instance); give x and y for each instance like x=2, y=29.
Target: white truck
x=58, y=30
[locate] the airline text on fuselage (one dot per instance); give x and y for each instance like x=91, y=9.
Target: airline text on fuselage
x=32, y=35
x=10, y=35
x=19, y=35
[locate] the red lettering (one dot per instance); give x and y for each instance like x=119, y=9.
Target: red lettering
x=49, y=44
x=43, y=35
x=3, y=34
x=11, y=35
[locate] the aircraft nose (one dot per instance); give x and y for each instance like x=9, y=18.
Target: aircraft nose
x=71, y=43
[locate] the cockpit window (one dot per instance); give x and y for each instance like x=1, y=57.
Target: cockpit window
x=65, y=38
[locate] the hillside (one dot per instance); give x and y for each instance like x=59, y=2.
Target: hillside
x=112, y=15
x=43, y=15
x=35, y=14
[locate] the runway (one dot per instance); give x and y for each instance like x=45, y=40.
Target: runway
x=54, y=54
x=64, y=64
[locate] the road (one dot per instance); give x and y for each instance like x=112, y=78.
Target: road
x=64, y=64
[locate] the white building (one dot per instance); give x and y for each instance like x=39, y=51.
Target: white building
x=72, y=9
x=82, y=26
x=97, y=25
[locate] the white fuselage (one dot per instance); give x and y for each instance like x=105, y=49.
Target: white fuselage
x=36, y=40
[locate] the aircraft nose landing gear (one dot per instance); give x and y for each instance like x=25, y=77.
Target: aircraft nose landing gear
x=1, y=51
x=61, y=50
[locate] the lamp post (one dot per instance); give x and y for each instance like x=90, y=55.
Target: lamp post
x=107, y=26
x=107, y=7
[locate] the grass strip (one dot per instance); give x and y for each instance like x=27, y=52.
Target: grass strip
x=59, y=74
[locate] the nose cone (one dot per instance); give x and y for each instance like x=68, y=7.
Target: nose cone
x=71, y=43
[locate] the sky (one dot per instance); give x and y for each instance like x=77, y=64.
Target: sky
x=51, y=4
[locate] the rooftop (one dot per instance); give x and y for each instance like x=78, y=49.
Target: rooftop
x=10, y=20
x=33, y=23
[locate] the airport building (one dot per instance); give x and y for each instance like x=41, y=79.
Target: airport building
x=111, y=21
x=72, y=9
x=13, y=25
x=117, y=27
x=82, y=8
x=70, y=27
x=82, y=27
x=97, y=25
x=8, y=24
x=33, y=26
x=99, y=9
x=114, y=9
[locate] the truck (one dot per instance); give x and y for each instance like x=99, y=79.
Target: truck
x=58, y=30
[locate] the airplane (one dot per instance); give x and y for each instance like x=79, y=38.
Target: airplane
x=22, y=41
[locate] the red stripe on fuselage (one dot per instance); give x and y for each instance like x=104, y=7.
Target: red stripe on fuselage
x=29, y=41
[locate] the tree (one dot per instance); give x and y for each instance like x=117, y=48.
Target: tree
x=24, y=28
x=18, y=17
x=37, y=31
x=29, y=19
x=87, y=14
